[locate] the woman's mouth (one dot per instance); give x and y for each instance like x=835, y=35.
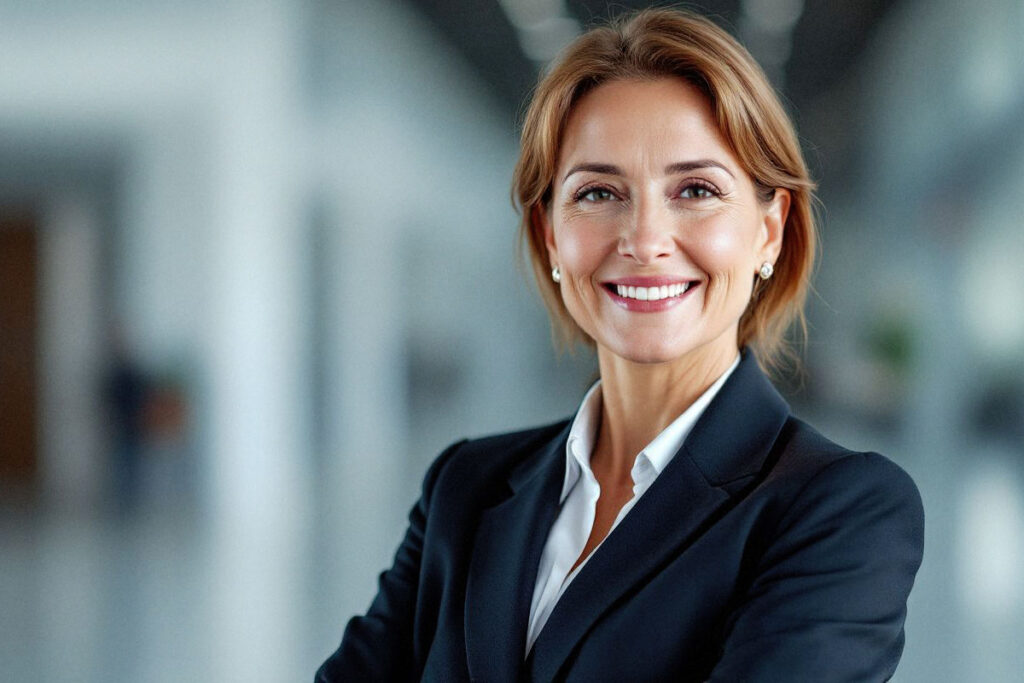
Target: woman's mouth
x=649, y=295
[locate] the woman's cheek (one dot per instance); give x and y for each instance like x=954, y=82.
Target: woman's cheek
x=726, y=241
x=724, y=253
x=578, y=247
x=572, y=255
x=719, y=251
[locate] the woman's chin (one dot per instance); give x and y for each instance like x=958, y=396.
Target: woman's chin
x=649, y=348
x=648, y=351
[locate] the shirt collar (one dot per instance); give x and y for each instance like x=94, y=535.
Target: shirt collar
x=583, y=435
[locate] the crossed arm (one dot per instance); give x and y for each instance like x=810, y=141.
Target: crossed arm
x=827, y=600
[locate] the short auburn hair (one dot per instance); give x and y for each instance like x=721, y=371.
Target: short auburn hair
x=658, y=43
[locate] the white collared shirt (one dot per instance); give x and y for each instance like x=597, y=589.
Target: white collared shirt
x=580, y=493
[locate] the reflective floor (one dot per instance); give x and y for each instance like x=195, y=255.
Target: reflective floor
x=102, y=598
x=144, y=598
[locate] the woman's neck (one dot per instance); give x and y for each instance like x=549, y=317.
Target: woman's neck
x=640, y=399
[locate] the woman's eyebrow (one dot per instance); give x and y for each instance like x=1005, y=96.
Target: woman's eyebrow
x=685, y=166
x=608, y=169
x=678, y=167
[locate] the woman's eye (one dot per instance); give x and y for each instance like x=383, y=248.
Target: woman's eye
x=697, y=192
x=595, y=194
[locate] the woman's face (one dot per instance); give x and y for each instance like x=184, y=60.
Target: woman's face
x=654, y=225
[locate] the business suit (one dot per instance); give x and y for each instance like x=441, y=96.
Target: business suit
x=762, y=552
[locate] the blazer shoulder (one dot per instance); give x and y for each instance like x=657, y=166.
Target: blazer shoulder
x=529, y=439
x=807, y=448
x=812, y=465
x=492, y=458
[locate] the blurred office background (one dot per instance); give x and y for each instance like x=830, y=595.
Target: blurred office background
x=257, y=267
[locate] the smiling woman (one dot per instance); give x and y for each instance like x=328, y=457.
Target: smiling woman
x=683, y=525
x=739, y=110
x=627, y=213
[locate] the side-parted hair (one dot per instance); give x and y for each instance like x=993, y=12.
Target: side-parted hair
x=674, y=43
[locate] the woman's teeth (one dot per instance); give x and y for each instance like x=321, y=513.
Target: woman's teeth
x=651, y=293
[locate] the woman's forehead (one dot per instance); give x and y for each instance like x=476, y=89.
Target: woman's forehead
x=640, y=123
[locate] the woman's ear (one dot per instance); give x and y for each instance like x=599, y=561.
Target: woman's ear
x=542, y=223
x=773, y=224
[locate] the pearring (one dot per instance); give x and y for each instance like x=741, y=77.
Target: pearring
x=766, y=271
x=556, y=274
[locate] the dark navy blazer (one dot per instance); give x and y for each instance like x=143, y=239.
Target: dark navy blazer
x=762, y=552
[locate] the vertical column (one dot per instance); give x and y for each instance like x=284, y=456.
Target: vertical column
x=256, y=433
x=70, y=333
x=363, y=500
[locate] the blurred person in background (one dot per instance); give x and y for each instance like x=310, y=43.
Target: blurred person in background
x=126, y=391
x=683, y=525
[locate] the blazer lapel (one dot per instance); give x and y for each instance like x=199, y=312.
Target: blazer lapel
x=730, y=442
x=503, y=569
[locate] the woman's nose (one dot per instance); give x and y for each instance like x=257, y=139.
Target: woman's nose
x=648, y=236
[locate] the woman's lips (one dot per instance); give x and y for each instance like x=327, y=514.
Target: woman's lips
x=649, y=294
